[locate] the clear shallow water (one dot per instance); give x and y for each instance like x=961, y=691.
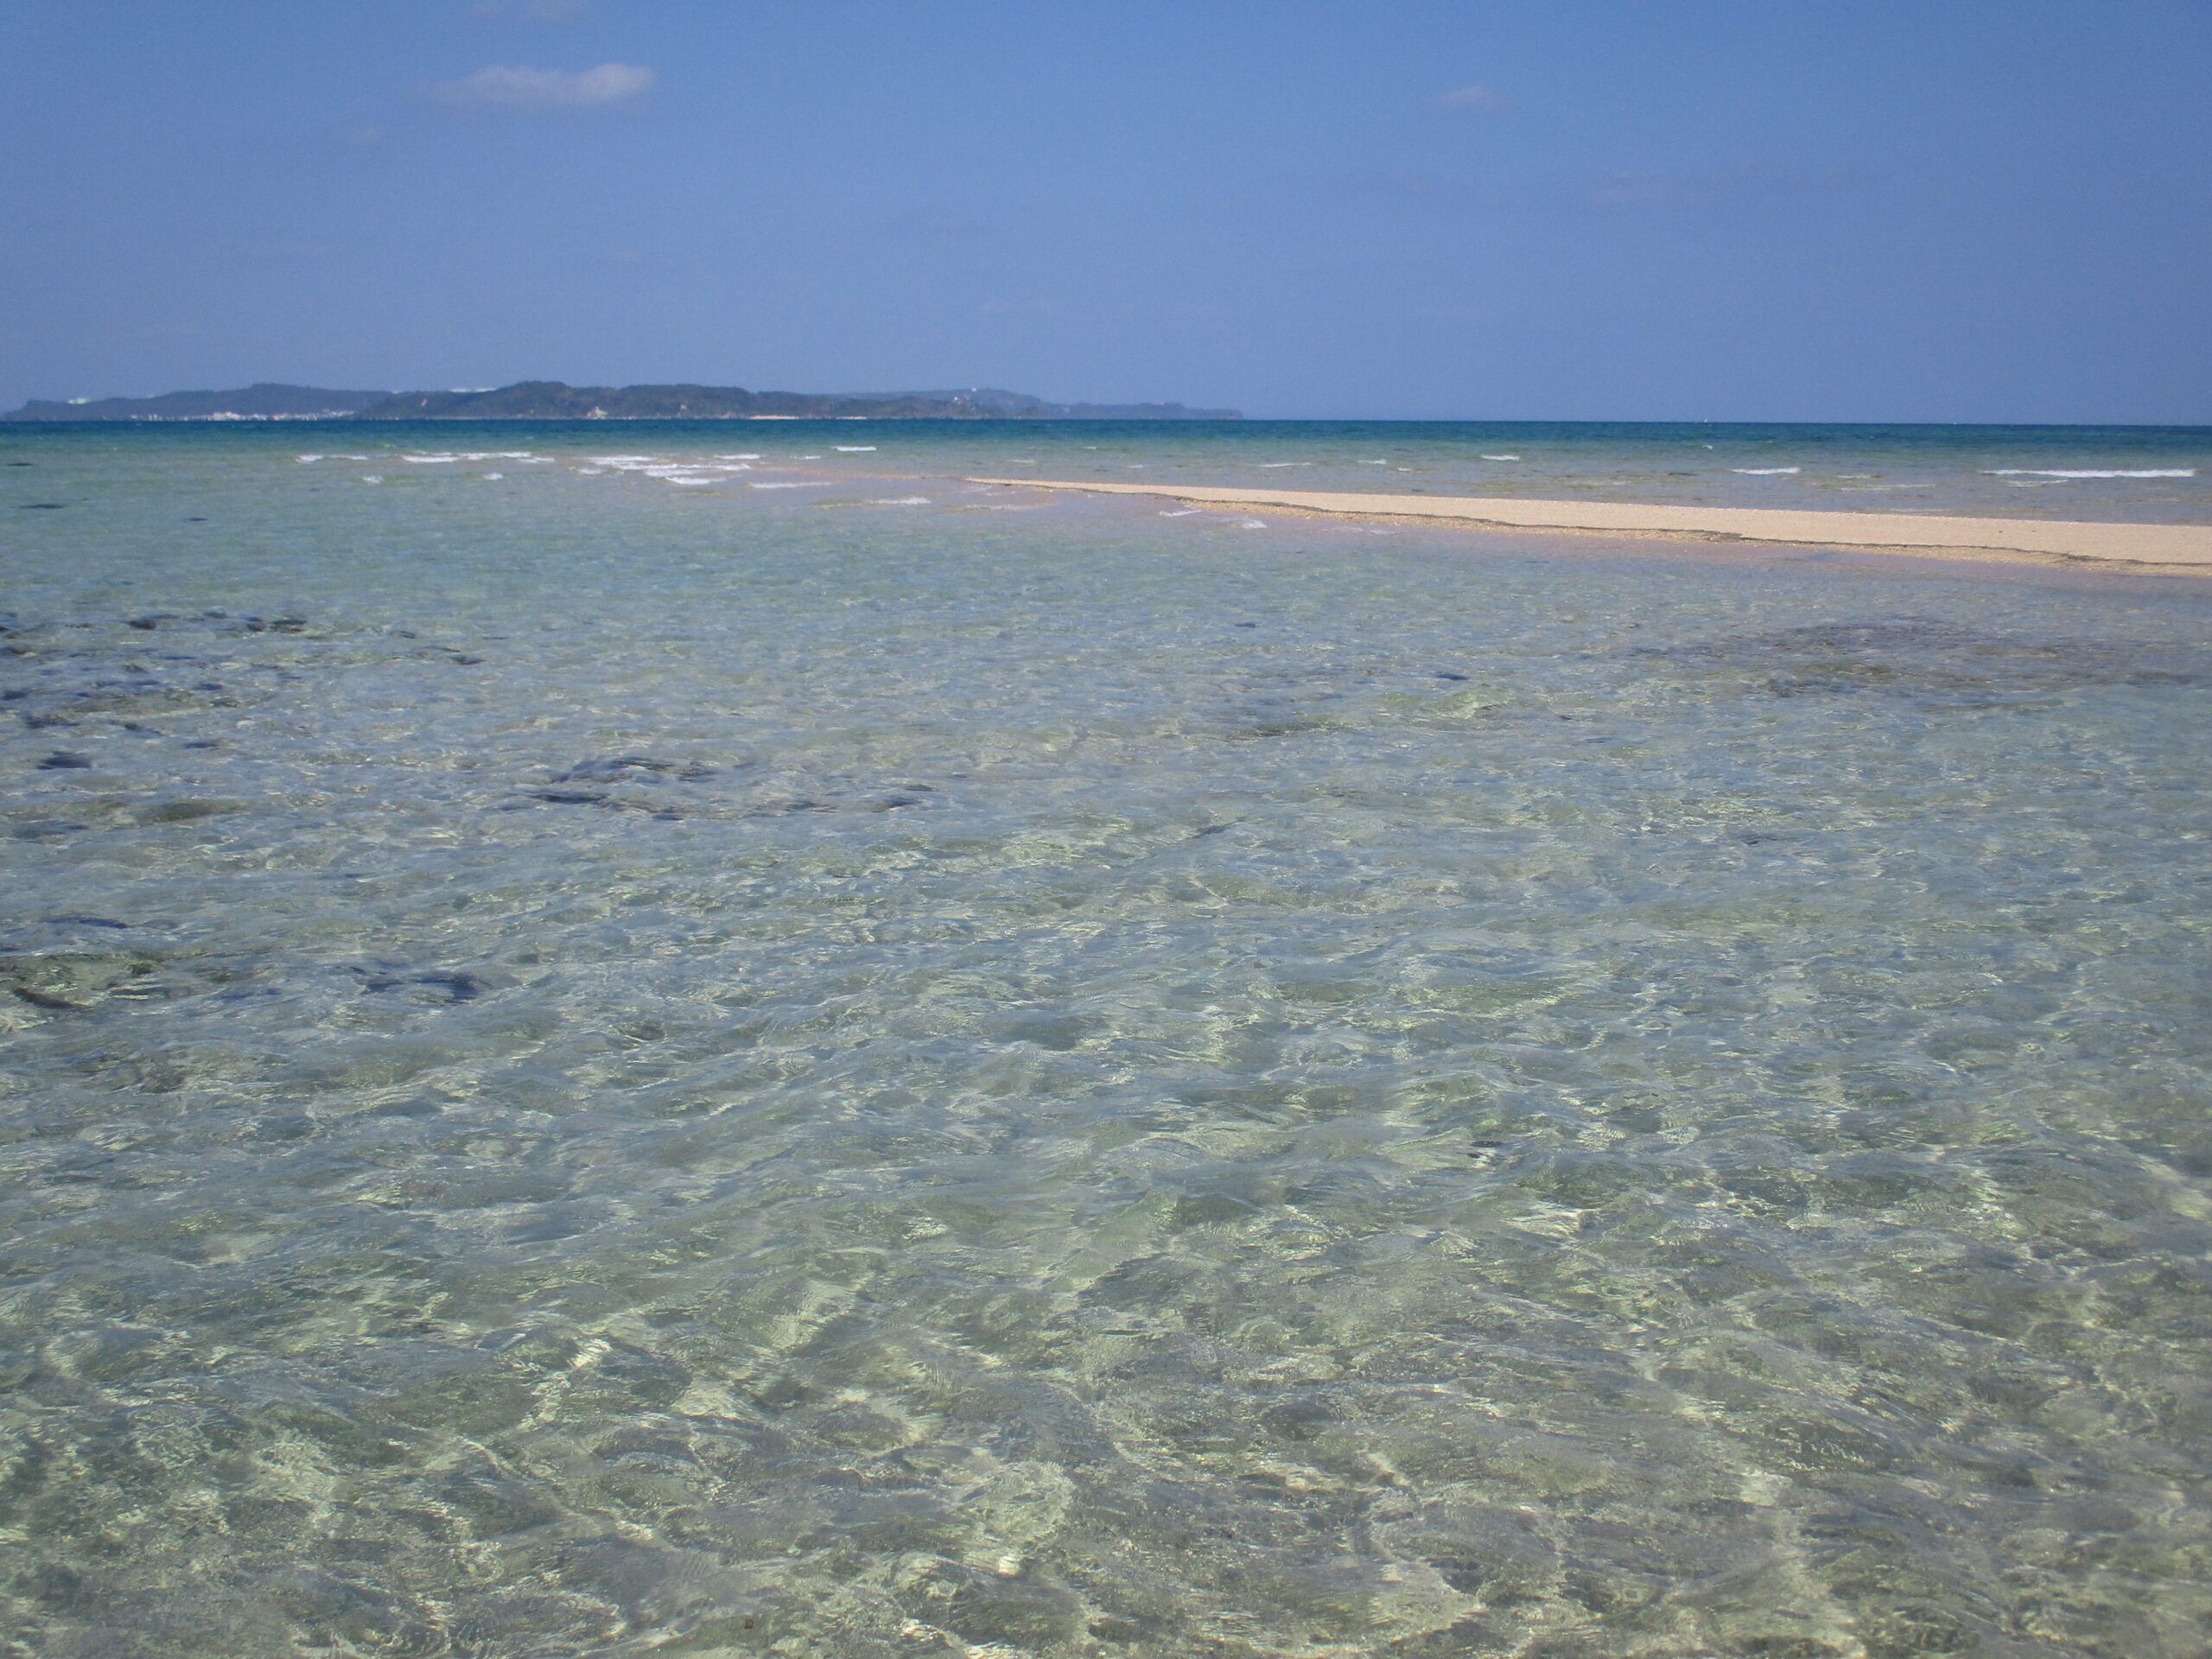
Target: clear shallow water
x=2135, y=474
x=680, y=1069
x=2121, y=475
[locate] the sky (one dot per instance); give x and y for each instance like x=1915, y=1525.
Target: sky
x=1908, y=210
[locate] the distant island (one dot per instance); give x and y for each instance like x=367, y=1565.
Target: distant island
x=552, y=400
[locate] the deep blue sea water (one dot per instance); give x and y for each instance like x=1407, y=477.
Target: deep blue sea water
x=607, y=1061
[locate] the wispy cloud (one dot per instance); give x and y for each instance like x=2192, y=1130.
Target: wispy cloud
x=534, y=12
x=1480, y=99
x=512, y=86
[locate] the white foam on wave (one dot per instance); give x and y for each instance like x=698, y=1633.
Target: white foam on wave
x=819, y=485
x=1185, y=512
x=372, y=478
x=430, y=460
x=305, y=459
x=2090, y=472
x=490, y=478
x=856, y=448
x=1501, y=457
x=900, y=501
x=1285, y=463
x=685, y=473
x=1765, y=472
x=737, y=457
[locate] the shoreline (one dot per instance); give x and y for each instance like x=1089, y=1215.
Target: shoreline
x=2163, y=548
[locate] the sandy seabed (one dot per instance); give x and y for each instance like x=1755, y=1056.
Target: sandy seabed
x=2171, y=548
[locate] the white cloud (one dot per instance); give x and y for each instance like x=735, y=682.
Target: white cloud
x=1474, y=98
x=510, y=87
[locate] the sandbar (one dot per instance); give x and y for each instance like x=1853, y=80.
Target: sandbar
x=2168, y=547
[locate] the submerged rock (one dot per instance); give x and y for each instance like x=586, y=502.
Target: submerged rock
x=440, y=986
x=73, y=981
x=629, y=768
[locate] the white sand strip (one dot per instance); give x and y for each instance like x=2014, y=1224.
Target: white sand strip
x=2176, y=546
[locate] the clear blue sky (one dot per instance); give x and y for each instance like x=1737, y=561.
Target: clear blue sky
x=1632, y=209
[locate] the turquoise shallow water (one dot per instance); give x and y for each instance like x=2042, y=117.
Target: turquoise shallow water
x=2129, y=474
x=607, y=1063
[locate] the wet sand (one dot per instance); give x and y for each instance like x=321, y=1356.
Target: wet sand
x=2175, y=549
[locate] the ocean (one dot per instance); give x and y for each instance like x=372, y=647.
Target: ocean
x=706, y=1040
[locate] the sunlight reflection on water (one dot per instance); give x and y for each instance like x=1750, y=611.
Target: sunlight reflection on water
x=597, y=1069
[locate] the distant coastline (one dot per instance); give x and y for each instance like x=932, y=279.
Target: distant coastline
x=554, y=400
